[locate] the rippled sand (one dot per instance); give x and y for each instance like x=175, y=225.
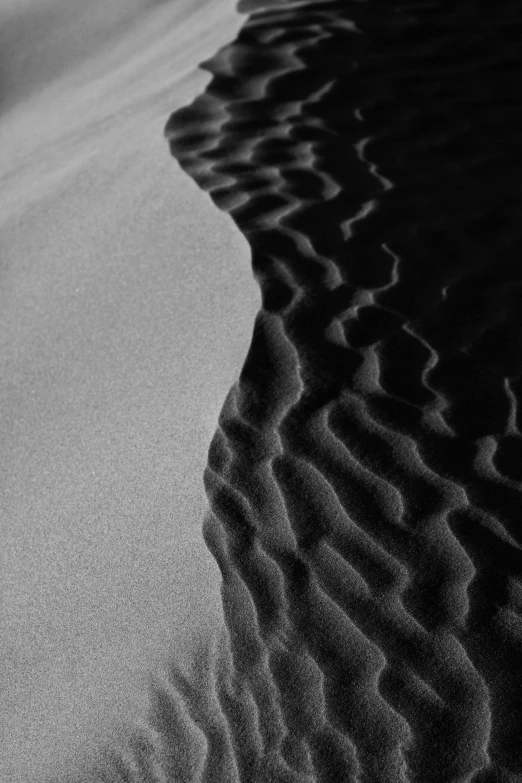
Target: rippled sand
x=365, y=478
x=363, y=475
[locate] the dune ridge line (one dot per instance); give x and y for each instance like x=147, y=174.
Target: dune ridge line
x=365, y=477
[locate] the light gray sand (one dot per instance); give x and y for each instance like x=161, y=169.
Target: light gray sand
x=126, y=309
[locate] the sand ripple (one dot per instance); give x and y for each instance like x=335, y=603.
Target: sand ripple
x=365, y=476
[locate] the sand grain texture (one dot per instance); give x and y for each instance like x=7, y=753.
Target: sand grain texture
x=364, y=480
x=116, y=353
x=365, y=477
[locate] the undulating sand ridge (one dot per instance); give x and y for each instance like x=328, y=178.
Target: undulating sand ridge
x=365, y=477
x=116, y=353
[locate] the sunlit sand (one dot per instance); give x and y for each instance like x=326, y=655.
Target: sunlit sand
x=126, y=309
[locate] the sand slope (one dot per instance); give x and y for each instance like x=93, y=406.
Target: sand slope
x=365, y=478
x=126, y=309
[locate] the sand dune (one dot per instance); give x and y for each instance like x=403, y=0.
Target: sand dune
x=126, y=310
x=365, y=476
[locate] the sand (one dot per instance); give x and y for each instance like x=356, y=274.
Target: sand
x=371, y=552
x=363, y=476
x=126, y=310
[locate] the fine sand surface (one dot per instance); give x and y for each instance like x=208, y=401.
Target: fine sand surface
x=126, y=310
x=364, y=478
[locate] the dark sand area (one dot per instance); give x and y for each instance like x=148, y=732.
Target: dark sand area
x=364, y=481
x=365, y=478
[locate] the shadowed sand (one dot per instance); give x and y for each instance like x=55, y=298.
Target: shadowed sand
x=365, y=479
x=126, y=309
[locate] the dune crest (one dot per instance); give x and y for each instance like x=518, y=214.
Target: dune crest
x=365, y=476
x=364, y=480
x=115, y=356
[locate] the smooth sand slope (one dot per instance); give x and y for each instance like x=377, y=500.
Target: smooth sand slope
x=365, y=479
x=126, y=310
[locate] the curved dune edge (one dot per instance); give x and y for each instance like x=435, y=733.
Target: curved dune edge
x=116, y=354
x=365, y=477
